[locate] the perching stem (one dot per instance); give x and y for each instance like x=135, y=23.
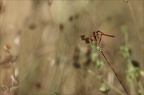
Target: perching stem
x=114, y=71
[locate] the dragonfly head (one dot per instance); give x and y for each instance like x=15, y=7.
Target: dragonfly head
x=98, y=32
x=103, y=34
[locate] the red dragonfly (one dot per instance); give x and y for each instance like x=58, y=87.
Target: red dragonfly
x=96, y=37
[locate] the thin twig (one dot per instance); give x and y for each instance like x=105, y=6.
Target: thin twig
x=135, y=23
x=114, y=72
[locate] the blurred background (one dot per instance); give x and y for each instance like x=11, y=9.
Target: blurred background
x=42, y=38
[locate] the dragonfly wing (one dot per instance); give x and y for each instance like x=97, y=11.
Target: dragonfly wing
x=87, y=40
x=82, y=37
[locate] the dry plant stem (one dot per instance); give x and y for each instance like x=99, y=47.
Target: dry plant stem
x=112, y=87
x=140, y=85
x=132, y=87
x=103, y=80
x=13, y=73
x=1, y=15
x=133, y=17
x=114, y=72
x=1, y=19
x=139, y=35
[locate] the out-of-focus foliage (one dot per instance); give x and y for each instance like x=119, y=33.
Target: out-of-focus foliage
x=95, y=59
x=133, y=69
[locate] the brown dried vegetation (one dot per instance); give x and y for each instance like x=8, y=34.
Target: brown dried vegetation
x=42, y=39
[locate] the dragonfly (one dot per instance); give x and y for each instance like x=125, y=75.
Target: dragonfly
x=96, y=37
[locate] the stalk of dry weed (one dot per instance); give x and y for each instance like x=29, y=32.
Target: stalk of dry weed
x=134, y=20
x=8, y=60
